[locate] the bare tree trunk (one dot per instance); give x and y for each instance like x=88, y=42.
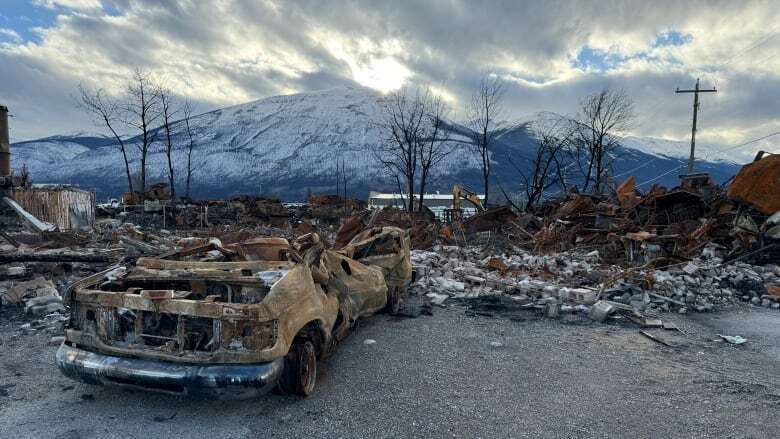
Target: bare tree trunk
x=484, y=111
x=410, y=191
x=435, y=145
x=127, y=169
x=187, y=109
x=603, y=116
x=105, y=112
x=166, y=105
x=143, y=169
x=404, y=121
x=421, y=199
x=400, y=191
x=141, y=112
x=486, y=178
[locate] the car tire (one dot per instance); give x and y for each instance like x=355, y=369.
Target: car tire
x=299, y=376
x=393, y=300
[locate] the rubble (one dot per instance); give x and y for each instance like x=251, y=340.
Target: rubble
x=575, y=281
x=733, y=339
x=157, y=192
x=36, y=292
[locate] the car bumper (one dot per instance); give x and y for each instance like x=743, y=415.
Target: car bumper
x=213, y=381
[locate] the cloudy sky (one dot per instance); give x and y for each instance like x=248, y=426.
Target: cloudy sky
x=551, y=54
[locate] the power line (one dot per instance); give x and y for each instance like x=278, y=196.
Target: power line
x=751, y=47
x=662, y=175
x=632, y=170
x=712, y=153
x=745, y=143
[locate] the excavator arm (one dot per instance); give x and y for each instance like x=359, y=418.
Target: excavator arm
x=460, y=193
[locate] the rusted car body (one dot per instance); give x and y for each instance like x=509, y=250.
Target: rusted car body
x=230, y=329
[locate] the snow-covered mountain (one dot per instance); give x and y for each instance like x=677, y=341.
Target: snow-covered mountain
x=289, y=145
x=682, y=148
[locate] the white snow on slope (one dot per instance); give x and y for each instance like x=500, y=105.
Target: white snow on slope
x=46, y=152
x=682, y=149
x=270, y=139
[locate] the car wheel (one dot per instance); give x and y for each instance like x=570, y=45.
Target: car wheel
x=300, y=369
x=393, y=300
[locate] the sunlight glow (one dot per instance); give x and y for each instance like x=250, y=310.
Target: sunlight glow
x=383, y=74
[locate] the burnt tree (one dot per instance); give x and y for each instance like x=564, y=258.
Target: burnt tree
x=167, y=112
x=553, y=136
x=602, y=118
x=434, y=146
x=141, y=112
x=484, y=112
x=190, y=146
x=404, y=120
x=106, y=112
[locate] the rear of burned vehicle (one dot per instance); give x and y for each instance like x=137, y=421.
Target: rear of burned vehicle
x=388, y=249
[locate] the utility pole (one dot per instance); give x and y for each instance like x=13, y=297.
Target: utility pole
x=695, y=92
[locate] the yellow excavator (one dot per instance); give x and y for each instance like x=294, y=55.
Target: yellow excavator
x=460, y=193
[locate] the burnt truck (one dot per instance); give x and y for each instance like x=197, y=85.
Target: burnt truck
x=232, y=321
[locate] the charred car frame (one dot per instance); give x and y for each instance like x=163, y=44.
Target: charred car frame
x=230, y=322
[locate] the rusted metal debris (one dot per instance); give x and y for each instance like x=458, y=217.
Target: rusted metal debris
x=54, y=257
x=157, y=192
x=758, y=184
x=627, y=227
x=335, y=201
x=491, y=219
x=658, y=227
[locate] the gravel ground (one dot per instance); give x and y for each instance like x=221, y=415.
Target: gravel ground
x=449, y=375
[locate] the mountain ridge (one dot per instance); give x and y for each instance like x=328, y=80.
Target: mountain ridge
x=288, y=146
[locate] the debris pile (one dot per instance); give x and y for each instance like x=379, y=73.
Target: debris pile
x=629, y=228
x=38, y=296
x=244, y=210
x=326, y=210
x=694, y=248
x=157, y=192
x=575, y=281
x=658, y=228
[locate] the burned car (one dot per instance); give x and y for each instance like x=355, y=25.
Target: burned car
x=232, y=321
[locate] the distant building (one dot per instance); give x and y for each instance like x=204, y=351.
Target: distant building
x=437, y=202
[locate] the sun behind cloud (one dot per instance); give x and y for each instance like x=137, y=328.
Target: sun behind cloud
x=383, y=74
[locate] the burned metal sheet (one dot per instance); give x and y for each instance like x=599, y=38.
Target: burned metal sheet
x=758, y=184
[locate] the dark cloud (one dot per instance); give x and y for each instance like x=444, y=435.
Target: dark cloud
x=226, y=52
